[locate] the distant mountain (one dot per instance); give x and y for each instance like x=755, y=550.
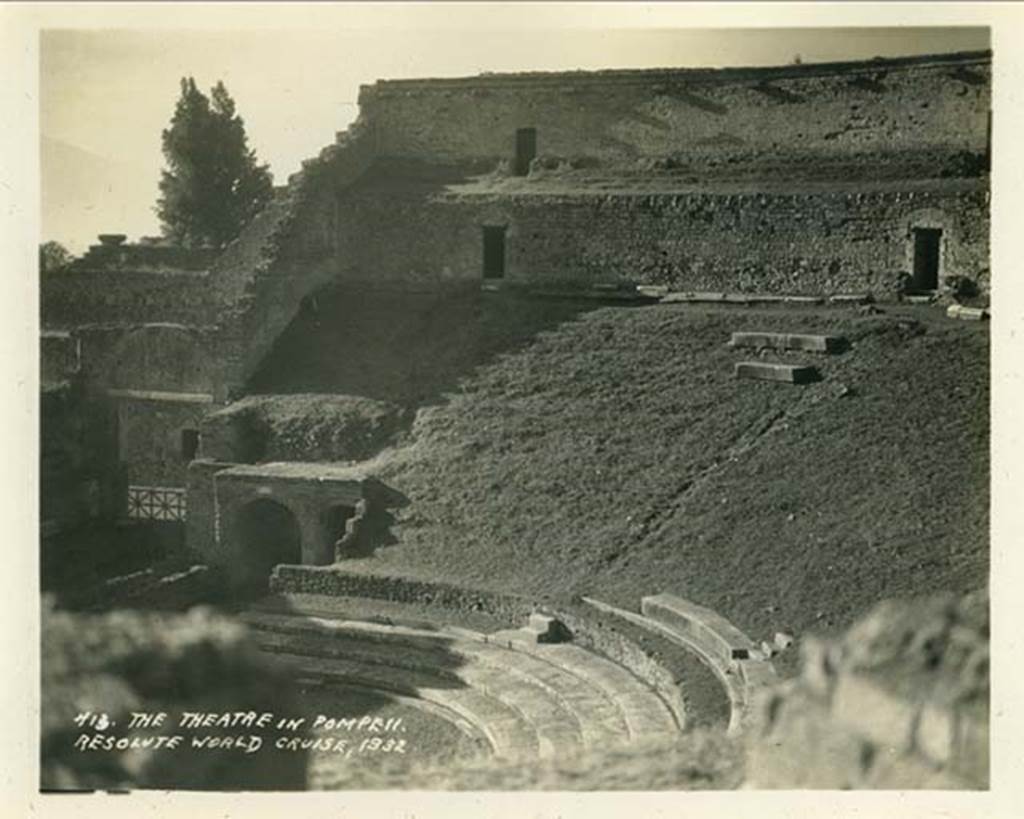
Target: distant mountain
x=85, y=193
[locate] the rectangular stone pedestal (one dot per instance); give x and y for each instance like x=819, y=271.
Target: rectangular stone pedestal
x=788, y=341
x=786, y=373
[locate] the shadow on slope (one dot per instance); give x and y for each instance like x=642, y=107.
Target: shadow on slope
x=406, y=348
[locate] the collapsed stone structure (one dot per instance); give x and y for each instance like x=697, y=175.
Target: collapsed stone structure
x=818, y=179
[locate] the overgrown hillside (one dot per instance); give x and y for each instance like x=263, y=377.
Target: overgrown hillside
x=617, y=455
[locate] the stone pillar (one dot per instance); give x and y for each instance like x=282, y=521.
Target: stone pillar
x=317, y=542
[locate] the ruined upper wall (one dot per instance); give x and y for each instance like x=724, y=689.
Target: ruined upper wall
x=869, y=112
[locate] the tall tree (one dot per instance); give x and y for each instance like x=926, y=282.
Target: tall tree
x=213, y=185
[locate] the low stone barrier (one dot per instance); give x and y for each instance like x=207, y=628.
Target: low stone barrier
x=329, y=580
x=712, y=297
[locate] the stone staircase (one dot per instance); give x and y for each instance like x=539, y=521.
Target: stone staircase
x=520, y=696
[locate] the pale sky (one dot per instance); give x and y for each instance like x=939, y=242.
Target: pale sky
x=105, y=95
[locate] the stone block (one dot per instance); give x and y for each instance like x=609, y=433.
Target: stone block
x=783, y=640
x=788, y=341
x=970, y=757
x=873, y=711
x=817, y=667
x=958, y=311
x=935, y=733
x=905, y=771
x=851, y=298
x=804, y=749
x=786, y=373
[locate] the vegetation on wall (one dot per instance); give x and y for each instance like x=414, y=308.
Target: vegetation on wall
x=53, y=256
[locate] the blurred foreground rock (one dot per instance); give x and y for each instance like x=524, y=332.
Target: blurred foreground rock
x=125, y=661
x=902, y=701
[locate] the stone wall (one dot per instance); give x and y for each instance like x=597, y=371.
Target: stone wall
x=900, y=112
x=112, y=253
x=809, y=242
x=79, y=475
x=60, y=358
x=158, y=380
x=150, y=440
x=72, y=298
x=167, y=357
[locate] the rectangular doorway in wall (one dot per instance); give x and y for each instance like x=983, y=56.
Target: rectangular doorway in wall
x=494, y=252
x=927, y=247
x=526, y=150
x=189, y=444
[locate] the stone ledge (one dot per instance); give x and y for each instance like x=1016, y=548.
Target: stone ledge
x=788, y=341
x=730, y=654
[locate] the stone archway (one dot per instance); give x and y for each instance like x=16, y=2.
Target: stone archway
x=265, y=533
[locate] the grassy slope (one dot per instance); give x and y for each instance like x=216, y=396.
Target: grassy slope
x=617, y=455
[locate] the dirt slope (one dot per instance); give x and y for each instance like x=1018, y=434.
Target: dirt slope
x=617, y=455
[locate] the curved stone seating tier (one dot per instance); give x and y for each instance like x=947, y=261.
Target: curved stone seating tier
x=730, y=654
x=464, y=726
x=644, y=713
x=508, y=733
x=563, y=698
x=555, y=727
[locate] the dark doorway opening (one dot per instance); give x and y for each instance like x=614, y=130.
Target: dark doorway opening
x=927, y=244
x=267, y=534
x=494, y=252
x=526, y=150
x=189, y=444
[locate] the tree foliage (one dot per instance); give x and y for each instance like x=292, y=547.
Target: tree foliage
x=212, y=185
x=53, y=256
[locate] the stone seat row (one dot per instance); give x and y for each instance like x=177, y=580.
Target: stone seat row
x=533, y=699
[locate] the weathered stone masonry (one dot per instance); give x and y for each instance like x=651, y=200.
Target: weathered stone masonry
x=794, y=242
x=861, y=112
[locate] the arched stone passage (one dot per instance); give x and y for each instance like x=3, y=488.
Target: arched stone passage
x=266, y=533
